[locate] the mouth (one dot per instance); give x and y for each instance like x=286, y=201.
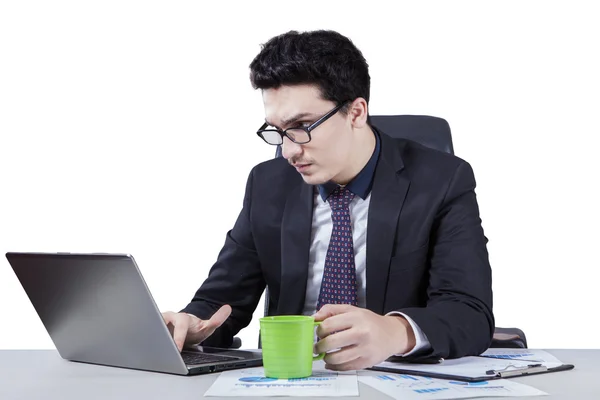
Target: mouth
x=302, y=167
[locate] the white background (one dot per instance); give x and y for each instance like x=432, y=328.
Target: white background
x=128, y=126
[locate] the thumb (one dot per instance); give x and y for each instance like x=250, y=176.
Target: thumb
x=220, y=316
x=208, y=327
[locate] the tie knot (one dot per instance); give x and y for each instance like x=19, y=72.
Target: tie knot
x=340, y=198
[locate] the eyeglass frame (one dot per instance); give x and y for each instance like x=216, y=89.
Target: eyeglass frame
x=307, y=129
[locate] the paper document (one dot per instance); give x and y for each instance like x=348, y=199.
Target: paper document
x=252, y=382
x=408, y=387
x=468, y=367
x=539, y=356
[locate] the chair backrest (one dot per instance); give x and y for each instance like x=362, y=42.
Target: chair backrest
x=430, y=131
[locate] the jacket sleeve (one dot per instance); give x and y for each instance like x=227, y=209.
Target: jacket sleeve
x=458, y=318
x=236, y=279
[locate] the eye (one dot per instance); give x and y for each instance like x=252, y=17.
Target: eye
x=302, y=125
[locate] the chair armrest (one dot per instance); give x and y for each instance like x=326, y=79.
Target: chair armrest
x=509, y=338
x=237, y=343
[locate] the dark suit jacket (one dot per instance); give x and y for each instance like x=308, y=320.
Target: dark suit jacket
x=426, y=250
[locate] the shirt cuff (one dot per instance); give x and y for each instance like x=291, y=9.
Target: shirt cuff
x=422, y=343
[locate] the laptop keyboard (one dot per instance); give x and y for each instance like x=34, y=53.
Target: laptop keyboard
x=193, y=358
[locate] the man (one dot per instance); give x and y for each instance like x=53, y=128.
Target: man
x=379, y=238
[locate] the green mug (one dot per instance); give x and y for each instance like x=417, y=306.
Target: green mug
x=287, y=346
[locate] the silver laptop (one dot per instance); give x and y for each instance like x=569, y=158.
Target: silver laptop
x=97, y=309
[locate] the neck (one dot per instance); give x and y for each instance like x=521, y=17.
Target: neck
x=363, y=150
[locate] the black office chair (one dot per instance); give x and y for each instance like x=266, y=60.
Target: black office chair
x=433, y=132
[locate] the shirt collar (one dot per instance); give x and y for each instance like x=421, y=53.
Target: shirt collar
x=363, y=182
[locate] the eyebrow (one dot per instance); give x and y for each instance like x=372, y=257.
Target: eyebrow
x=293, y=119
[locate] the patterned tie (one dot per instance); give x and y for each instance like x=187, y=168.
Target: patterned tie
x=339, y=276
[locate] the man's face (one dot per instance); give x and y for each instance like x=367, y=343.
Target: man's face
x=328, y=152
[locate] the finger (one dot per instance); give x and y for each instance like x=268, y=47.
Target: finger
x=217, y=319
x=329, y=310
x=344, y=356
x=181, y=325
x=336, y=323
x=338, y=340
x=168, y=316
x=356, y=364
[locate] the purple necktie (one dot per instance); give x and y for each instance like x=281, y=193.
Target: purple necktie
x=339, y=276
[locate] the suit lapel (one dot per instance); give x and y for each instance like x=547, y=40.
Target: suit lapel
x=387, y=198
x=295, y=246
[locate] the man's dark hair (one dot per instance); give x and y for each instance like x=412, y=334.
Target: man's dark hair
x=326, y=59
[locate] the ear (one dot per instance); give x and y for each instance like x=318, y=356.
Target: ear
x=358, y=112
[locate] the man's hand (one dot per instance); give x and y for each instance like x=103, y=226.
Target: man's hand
x=363, y=337
x=188, y=329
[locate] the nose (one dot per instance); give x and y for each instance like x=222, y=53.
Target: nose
x=290, y=149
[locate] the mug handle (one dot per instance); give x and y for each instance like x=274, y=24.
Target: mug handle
x=321, y=355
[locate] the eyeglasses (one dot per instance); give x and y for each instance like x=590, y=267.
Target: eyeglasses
x=297, y=134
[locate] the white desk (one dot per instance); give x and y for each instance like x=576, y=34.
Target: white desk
x=42, y=374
